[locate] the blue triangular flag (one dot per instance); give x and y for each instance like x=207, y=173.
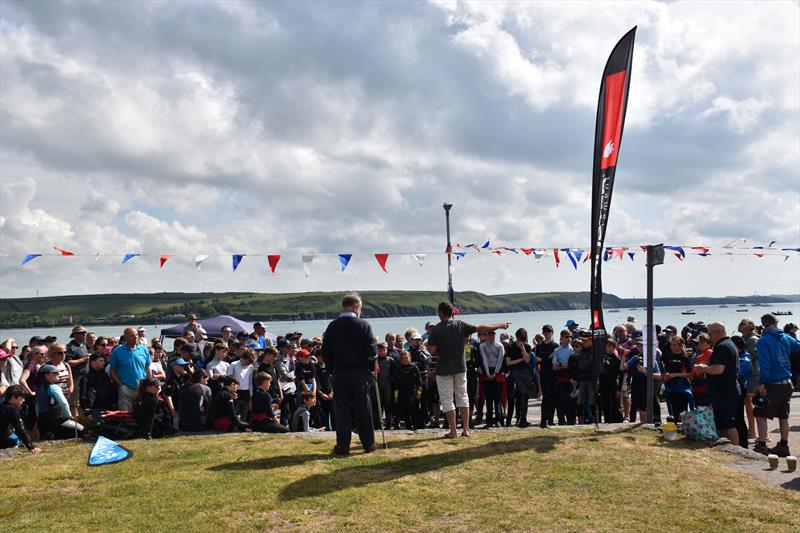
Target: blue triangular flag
x=128, y=257
x=571, y=257
x=106, y=451
x=344, y=259
x=30, y=257
x=578, y=254
x=631, y=254
x=459, y=255
x=485, y=245
x=680, y=254
x=237, y=258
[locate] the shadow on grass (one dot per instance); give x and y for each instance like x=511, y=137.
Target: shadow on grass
x=364, y=475
x=269, y=463
x=794, y=484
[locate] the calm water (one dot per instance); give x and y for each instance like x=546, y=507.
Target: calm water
x=532, y=321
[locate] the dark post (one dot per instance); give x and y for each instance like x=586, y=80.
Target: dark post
x=450, y=293
x=655, y=256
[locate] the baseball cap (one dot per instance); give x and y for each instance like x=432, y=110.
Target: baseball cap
x=3, y=354
x=48, y=369
x=283, y=343
x=416, y=336
x=37, y=338
x=258, y=325
x=570, y=322
x=179, y=361
x=302, y=353
x=306, y=342
x=547, y=327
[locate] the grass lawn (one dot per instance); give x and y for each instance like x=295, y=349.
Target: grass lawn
x=495, y=481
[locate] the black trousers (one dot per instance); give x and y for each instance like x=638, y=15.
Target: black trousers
x=548, y=396
x=494, y=410
x=352, y=399
x=565, y=404
x=609, y=403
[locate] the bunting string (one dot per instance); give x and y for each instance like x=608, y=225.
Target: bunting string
x=576, y=255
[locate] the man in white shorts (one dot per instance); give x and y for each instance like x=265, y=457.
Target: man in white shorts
x=446, y=340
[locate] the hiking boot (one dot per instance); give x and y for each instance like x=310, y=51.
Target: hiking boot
x=478, y=418
x=371, y=449
x=781, y=450
x=761, y=448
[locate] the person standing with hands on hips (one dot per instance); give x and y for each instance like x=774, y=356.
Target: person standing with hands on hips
x=446, y=340
x=350, y=351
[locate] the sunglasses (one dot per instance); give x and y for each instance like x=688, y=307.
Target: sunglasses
x=14, y=347
x=103, y=344
x=60, y=353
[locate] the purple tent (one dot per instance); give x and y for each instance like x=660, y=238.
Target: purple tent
x=213, y=327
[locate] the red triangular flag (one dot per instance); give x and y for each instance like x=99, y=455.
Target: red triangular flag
x=273, y=262
x=527, y=251
x=61, y=251
x=161, y=260
x=555, y=254
x=382, y=261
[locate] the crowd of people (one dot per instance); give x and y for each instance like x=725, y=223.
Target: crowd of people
x=410, y=380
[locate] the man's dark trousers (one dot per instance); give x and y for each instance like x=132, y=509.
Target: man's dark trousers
x=351, y=396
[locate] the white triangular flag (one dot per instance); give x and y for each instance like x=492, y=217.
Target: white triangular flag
x=735, y=243
x=307, y=260
x=538, y=254
x=420, y=258
x=199, y=261
x=96, y=256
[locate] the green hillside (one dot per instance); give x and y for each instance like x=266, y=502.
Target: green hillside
x=158, y=308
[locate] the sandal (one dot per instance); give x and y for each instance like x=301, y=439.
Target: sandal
x=449, y=436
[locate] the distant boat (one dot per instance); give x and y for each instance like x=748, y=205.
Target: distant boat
x=613, y=310
x=723, y=306
x=741, y=310
x=782, y=313
x=688, y=312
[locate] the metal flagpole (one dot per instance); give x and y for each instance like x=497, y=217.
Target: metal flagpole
x=450, y=294
x=655, y=256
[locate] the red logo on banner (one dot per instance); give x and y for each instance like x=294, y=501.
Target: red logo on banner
x=612, y=127
x=596, y=319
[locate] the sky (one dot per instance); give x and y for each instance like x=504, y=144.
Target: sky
x=318, y=128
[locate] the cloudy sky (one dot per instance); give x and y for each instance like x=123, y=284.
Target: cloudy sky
x=295, y=128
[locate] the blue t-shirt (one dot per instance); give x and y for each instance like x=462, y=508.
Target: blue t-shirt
x=131, y=365
x=562, y=354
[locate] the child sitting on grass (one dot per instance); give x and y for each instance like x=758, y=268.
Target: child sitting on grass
x=262, y=417
x=301, y=420
x=223, y=414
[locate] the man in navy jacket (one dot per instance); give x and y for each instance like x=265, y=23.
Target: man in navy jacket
x=350, y=350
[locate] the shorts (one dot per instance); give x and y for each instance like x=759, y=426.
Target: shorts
x=778, y=395
x=724, y=414
x=452, y=386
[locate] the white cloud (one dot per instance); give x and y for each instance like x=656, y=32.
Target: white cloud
x=279, y=132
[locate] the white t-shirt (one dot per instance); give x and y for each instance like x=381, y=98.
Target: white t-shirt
x=156, y=368
x=217, y=368
x=244, y=374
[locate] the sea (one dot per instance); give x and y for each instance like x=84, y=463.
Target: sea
x=532, y=321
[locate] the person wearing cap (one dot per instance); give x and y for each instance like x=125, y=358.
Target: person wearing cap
x=350, y=351
x=130, y=363
x=177, y=380
x=141, y=336
x=544, y=358
x=446, y=341
x=263, y=339
x=636, y=367
x=775, y=349
x=572, y=326
x=52, y=409
x=35, y=341
x=582, y=373
x=305, y=373
x=10, y=421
